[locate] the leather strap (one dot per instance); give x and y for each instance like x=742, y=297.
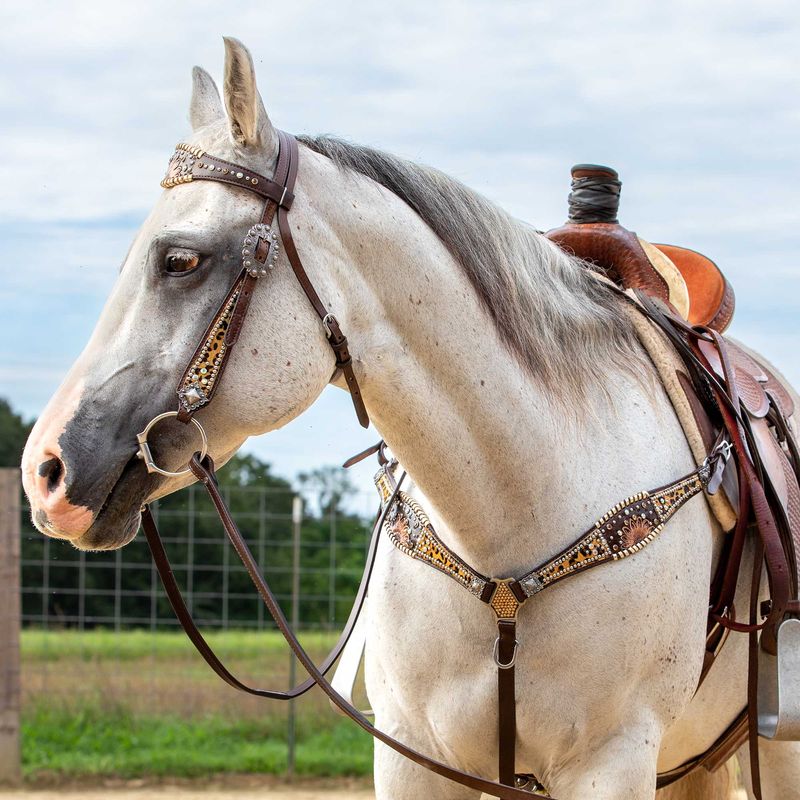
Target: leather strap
x=279, y=193
x=506, y=699
x=336, y=339
x=187, y=622
x=204, y=472
x=191, y=163
x=719, y=752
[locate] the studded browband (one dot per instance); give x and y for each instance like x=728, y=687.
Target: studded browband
x=624, y=530
x=260, y=250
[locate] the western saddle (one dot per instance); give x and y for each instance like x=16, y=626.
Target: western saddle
x=739, y=403
x=690, y=282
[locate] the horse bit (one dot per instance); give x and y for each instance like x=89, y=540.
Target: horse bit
x=623, y=530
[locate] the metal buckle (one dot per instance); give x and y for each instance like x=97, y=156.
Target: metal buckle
x=146, y=455
x=724, y=638
x=500, y=664
x=722, y=450
x=713, y=468
x=326, y=324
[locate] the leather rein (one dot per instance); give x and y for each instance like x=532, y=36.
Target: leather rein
x=196, y=388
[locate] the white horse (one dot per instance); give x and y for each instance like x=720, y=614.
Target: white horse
x=512, y=389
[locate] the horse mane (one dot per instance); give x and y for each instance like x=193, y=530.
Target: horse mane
x=564, y=327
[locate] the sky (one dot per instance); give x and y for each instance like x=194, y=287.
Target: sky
x=696, y=104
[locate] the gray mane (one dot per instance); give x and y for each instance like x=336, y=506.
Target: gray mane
x=562, y=325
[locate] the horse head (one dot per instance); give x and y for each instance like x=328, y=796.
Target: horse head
x=80, y=470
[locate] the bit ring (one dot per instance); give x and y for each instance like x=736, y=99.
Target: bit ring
x=146, y=455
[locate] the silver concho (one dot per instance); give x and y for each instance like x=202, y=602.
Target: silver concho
x=193, y=397
x=250, y=260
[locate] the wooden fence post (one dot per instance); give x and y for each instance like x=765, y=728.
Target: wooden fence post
x=10, y=766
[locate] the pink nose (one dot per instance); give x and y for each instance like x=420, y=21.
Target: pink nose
x=46, y=487
x=45, y=473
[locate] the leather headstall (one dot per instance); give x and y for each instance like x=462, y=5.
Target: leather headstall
x=260, y=250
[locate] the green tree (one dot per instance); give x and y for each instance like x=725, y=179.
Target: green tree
x=330, y=484
x=13, y=435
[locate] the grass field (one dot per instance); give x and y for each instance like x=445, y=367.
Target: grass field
x=136, y=703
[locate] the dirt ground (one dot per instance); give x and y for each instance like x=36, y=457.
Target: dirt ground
x=178, y=793
x=231, y=788
x=254, y=791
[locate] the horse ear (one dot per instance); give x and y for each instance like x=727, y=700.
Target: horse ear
x=250, y=125
x=206, y=106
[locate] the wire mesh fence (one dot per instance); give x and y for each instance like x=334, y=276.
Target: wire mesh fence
x=98, y=632
x=67, y=589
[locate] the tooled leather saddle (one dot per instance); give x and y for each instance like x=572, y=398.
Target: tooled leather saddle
x=689, y=281
x=736, y=398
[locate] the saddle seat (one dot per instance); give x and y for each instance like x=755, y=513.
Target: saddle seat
x=689, y=281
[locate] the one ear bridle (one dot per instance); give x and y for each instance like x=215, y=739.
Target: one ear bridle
x=260, y=249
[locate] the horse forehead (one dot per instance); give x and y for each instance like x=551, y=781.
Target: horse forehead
x=201, y=205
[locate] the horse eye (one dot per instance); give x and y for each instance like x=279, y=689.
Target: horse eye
x=181, y=262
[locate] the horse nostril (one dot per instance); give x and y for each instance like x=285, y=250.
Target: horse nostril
x=53, y=471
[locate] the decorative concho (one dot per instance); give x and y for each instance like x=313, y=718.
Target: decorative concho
x=260, y=250
x=411, y=532
x=180, y=165
x=635, y=531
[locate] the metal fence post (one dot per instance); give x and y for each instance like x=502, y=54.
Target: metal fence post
x=297, y=521
x=10, y=511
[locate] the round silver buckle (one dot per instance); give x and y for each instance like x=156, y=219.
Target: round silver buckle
x=326, y=324
x=146, y=455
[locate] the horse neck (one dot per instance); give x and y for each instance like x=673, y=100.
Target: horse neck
x=504, y=469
